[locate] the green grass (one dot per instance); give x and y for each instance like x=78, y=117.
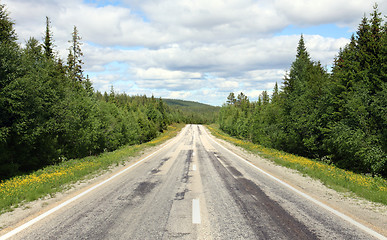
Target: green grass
x=370, y=188
x=56, y=178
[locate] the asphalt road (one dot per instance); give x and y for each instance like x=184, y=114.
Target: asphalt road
x=192, y=189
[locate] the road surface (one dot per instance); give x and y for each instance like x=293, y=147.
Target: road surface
x=192, y=188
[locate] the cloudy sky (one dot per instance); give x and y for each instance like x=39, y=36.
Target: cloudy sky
x=198, y=50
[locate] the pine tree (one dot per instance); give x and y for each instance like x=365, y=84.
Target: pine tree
x=231, y=99
x=242, y=101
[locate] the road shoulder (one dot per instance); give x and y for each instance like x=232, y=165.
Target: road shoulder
x=370, y=214
x=28, y=211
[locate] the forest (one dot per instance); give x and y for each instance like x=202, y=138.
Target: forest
x=338, y=116
x=49, y=111
x=194, y=112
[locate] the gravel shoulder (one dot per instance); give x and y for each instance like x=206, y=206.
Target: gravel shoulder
x=370, y=214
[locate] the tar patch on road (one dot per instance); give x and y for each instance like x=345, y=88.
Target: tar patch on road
x=200, y=132
x=157, y=170
x=142, y=189
x=180, y=195
x=266, y=218
x=187, y=164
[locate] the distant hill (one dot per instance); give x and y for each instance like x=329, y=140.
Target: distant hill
x=184, y=103
x=193, y=111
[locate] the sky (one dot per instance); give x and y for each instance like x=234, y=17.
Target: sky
x=197, y=50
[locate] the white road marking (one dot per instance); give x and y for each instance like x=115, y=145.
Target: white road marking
x=326, y=207
x=194, y=167
x=196, y=211
x=40, y=217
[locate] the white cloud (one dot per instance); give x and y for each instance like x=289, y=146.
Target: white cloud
x=157, y=78
x=253, y=95
x=187, y=48
x=226, y=85
x=342, y=12
x=179, y=95
x=158, y=73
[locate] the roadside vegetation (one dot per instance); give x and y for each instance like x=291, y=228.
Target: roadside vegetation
x=61, y=176
x=337, y=117
x=55, y=129
x=49, y=111
x=367, y=187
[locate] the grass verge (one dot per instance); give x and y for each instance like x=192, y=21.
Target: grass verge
x=370, y=188
x=56, y=178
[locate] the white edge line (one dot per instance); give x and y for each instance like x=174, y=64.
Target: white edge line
x=196, y=211
x=326, y=207
x=40, y=217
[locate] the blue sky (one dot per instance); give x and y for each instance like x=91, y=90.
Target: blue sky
x=325, y=30
x=103, y=3
x=194, y=50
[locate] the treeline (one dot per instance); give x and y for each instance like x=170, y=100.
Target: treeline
x=193, y=112
x=49, y=111
x=339, y=117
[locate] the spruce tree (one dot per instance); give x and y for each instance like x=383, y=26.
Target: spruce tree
x=9, y=63
x=48, y=42
x=357, y=133
x=376, y=51
x=345, y=66
x=33, y=49
x=265, y=98
x=74, y=59
x=303, y=87
x=7, y=32
x=301, y=49
x=9, y=49
x=299, y=69
x=275, y=94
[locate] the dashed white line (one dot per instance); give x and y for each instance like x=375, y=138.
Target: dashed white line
x=196, y=211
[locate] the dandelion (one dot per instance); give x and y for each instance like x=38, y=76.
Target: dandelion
x=48, y=180
x=329, y=174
